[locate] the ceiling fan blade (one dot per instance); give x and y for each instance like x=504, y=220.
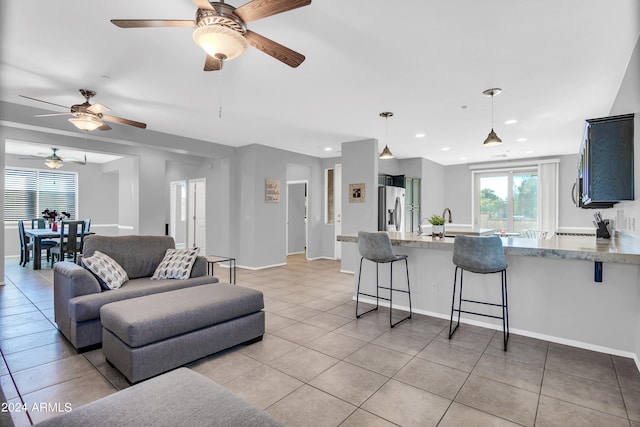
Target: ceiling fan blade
x=46, y=102
x=203, y=4
x=212, y=64
x=51, y=114
x=124, y=121
x=258, y=9
x=144, y=23
x=276, y=50
x=104, y=126
x=98, y=108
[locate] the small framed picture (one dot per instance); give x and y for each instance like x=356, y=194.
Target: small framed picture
x=356, y=193
x=272, y=190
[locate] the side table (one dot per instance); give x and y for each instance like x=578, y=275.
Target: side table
x=216, y=259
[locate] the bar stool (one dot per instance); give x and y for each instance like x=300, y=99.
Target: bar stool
x=376, y=247
x=481, y=255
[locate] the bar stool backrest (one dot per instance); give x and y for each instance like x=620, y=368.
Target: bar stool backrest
x=375, y=246
x=479, y=254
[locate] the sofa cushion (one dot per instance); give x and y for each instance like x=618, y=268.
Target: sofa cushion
x=109, y=273
x=176, y=264
x=138, y=255
x=178, y=398
x=87, y=307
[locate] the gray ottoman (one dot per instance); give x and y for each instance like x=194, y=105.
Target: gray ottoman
x=178, y=398
x=146, y=336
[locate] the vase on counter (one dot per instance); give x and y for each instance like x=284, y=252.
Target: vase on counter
x=437, y=231
x=54, y=226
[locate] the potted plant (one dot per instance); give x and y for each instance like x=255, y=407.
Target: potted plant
x=437, y=229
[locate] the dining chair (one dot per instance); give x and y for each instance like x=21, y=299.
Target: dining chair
x=25, y=245
x=87, y=225
x=41, y=223
x=535, y=234
x=71, y=241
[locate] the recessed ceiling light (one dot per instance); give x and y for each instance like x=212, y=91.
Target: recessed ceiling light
x=529, y=152
x=328, y=149
x=521, y=139
x=420, y=135
x=510, y=122
x=445, y=148
x=463, y=158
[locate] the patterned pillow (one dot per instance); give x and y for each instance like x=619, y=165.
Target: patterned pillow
x=108, y=272
x=176, y=264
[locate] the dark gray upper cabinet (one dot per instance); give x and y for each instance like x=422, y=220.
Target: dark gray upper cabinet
x=606, y=162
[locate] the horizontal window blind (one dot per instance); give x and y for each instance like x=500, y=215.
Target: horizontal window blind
x=27, y=192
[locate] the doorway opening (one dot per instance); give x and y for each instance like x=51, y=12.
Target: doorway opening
x=187, y=219
x=297, y=215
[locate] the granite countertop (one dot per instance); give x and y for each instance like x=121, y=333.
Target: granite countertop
x=624, y=249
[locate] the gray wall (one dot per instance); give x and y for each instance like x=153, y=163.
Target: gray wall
x=359, y=165
x=296, y=228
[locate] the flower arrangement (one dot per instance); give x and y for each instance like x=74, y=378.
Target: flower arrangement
x=436, y=220
x=53, y=215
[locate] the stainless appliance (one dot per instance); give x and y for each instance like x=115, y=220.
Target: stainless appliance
x=390, y=208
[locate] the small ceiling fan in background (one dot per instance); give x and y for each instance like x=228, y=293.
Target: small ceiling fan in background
x=88, y=116
x=54, y=161
x=221, y=30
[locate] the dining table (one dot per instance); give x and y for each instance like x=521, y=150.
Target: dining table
x=38, y=234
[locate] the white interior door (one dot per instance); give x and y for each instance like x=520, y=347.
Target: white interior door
x=178, y=216
x=337, y=208
x=197, y=228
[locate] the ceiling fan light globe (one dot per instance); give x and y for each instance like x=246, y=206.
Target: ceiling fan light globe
x=218, y=39
x=86, y=122
x=492, y=139
x=54, y=163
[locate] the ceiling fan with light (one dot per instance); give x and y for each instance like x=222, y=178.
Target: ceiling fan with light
x=87, y=116
x=221, y=30
x=54, y=161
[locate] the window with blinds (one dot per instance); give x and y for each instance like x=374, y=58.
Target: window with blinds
x=27, y=192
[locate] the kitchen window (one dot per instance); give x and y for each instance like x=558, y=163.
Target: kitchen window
x=517, y=199
x=28, y=192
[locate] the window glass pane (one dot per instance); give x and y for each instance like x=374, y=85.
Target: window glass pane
x=330, y=197
x=525, y=202
x=28, y=192
x=494, y=193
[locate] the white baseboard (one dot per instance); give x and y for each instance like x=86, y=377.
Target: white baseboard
x=262, y=267
x=347, y=271
x=543, y=337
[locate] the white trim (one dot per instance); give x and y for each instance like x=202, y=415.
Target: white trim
x=246, y=267
x=507, y=165
x=549, y=338
x=125, y=227
x=322, y=257
x=347, y=271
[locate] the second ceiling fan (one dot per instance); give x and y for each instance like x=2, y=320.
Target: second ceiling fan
x=221, y=30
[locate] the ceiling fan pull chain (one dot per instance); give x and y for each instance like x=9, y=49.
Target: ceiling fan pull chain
x=221, y=88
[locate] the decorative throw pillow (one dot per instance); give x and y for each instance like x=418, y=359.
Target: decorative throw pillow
x=176, y=264
x=108, y=272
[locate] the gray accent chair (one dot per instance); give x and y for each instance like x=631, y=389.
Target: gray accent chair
x=78, y=296
x=376, y=247
x=178, y=398
x=481, y=255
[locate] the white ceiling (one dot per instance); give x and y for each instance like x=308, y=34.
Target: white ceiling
x=558, y=63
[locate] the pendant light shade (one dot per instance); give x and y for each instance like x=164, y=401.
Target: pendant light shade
x=493, y=138
x=386, y=153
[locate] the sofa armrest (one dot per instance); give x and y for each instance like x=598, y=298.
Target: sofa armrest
x=70, y=280
x=199, y=267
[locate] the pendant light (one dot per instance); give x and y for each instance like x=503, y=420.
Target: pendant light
x=386, y=153
x=492, y=138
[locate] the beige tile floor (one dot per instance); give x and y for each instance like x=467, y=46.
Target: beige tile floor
x=319, y=366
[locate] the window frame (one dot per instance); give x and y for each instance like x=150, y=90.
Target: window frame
x=38, y=208
x=509, y=172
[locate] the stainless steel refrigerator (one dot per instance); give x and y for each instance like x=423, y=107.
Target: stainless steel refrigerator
x=391, y=208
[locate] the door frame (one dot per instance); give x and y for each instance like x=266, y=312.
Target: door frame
x=337, y=209
x=173, y=201
x=191, y=220
x=306, y=222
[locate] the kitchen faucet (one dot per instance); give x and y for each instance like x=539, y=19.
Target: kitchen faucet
x=444, y=213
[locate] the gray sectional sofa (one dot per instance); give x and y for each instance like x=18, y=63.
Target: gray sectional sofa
x=78, y=295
